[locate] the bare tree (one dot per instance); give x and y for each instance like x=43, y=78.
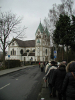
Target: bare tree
x=66, y=7
x=9, y=25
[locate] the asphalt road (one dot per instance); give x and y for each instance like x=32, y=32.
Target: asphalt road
x=21, y=85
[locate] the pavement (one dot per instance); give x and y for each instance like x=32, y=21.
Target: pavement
x=44, y=92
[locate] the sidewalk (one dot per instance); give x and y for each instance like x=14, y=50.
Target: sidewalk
x=45, y=93
x=6, y=71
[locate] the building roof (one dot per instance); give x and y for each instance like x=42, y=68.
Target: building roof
x=46, y=31
x=28, y=43
x=40, y=27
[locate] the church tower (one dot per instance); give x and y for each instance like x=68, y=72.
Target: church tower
x=42, y=44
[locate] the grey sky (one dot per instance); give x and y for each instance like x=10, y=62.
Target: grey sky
x=31, y=11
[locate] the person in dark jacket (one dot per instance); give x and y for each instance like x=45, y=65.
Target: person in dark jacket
x=69, y=82
x=58, y=77
x=49, y=76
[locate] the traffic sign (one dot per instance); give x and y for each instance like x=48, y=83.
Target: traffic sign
x=55, y=53
x=55, y=56
x=8, y=56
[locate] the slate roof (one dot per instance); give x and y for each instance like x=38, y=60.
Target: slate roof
x=28, y=43
x=40, y=27
x=46, y=31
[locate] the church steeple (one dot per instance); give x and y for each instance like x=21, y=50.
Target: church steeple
x=40, y=27
x=46, y=31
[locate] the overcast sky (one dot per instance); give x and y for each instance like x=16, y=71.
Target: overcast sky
x=32, y=12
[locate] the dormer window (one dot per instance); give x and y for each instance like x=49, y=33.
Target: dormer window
x=13, y=43
x=39, y=36
x=38, y=32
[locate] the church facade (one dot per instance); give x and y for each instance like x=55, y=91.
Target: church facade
x=31, y=50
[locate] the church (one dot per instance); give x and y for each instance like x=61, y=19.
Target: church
x=31, y=50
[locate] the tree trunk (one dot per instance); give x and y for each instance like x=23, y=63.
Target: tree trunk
x=4, y=55
x=62, y=52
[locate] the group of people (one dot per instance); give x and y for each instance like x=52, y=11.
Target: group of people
x=61, y=79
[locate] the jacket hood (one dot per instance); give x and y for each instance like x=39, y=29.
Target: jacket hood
x=62, y=66
x=71, y=67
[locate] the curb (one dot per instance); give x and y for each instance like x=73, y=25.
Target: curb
x=7, y=71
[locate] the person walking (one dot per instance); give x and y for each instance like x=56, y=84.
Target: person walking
x=49, y=75
x=58, y=78
x=69, y=82
x=42, y=66
x=47, y=67
x=39, y=64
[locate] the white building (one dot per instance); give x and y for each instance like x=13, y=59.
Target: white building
x=34, y=50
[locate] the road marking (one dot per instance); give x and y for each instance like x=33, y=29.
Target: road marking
x=16, y=79
x=4, y=86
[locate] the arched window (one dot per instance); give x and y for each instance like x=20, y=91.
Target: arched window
x=34, y=50
x=46, y=51
x=11, y=52
x=27, y=50
x=39, y=36
x=15, y=52
x=24, y=58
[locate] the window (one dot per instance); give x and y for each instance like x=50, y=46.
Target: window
x=34, y=50
x=24, y=58
x=39, y=36
x=13, y=43
x=27, y=50
x=46, y=51
x=13, y=52
x=38, y=33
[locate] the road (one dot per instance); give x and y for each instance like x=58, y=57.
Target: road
x=24, y=84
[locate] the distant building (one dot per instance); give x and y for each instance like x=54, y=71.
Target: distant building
x=34, y=50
